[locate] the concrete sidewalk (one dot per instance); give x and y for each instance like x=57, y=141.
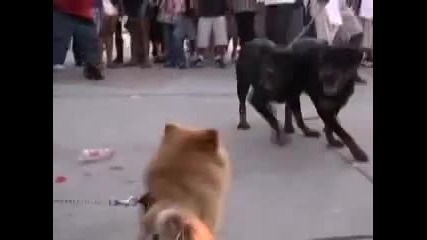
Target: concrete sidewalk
x=297, y=192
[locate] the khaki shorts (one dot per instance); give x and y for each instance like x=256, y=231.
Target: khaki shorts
x=207, y=25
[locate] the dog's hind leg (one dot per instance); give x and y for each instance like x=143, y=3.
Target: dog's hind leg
x=261, y=105
x=331, y=123
x=242, y=91
x=295, y=106
x=288, y=124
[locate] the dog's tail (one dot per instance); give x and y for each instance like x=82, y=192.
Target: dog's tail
x=177, y=224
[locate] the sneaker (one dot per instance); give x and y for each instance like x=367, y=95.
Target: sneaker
x=198, y=62
x=169, y=65
x=91, y=72
x=361, y=81
x=118, y=61
x=367, y=64
x=182, y=66
x=58, y=67
x=220, y=62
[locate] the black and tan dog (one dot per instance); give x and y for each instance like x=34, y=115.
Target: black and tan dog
x=325, y=73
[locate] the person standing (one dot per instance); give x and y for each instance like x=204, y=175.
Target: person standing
x=366, y=14
x=75, y=18
x=118, y=33
x=284, y=20
x=349, y=33
x=138, y=25
x=244, y=13
x=212, y=19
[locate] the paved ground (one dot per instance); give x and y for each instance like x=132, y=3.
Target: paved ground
x=297, y=192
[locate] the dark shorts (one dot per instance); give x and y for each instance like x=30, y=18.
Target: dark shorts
x=284, y=22
x=83, y=33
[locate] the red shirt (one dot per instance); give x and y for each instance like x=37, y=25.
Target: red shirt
x=80, y=8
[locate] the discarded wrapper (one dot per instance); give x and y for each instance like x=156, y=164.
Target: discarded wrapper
x=60, y=179
x=95, y=155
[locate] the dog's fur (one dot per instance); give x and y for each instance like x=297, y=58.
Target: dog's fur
x=327, y=74
x=187, y=181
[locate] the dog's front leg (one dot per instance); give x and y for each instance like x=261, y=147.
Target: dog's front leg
x=331, y=123
x=261, y=104
x=295, y=106
x=329, y=134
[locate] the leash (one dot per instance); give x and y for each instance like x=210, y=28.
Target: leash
x=130, y=202
x=307, y=26
x=352, y=237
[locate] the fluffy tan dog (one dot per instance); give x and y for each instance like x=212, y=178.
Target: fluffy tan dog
x=187, y=180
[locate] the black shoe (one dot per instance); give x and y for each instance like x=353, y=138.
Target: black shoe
x=79, y=63
x=91, y=72
x=361, y=81
x=169, y=65
x=197, y=63
x=182, y=66
x=118, y=61
x=220, y=62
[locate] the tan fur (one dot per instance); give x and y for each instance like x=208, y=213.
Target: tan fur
x=190, y=175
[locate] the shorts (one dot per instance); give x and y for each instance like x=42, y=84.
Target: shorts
x=207, y=25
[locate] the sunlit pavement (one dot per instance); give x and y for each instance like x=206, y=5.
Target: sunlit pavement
x=298, y=192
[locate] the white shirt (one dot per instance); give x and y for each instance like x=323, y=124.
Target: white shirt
x=275, y=2
x=367, y=9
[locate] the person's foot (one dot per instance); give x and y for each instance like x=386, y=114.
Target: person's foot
x=78, y=63
x=182, y=66
x=92, y=72
x=169, y=65
x=145, y=65
x=361, y=81
x=219, y=60
x=118, y=61
x=159, y=59
x=367, y=64
x=58, y=67
x=114, y=65
x=131, y=63
x=198, y=62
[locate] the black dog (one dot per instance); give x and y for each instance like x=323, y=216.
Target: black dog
x=325, y=73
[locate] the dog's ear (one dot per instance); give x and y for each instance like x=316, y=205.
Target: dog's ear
x=352, y=57
x=209, y=139
x=170, y=128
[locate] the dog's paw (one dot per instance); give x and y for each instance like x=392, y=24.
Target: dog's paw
x=311, y=133
x=334, y=143
x=278, y=140
x=289, y=129
x=243, y=126
x=360, y=156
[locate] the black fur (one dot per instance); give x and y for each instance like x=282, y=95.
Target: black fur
x=325, y=73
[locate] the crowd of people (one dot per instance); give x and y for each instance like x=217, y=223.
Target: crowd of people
x=204, y=27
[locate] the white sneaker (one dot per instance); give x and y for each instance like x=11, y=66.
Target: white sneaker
x=58, y=67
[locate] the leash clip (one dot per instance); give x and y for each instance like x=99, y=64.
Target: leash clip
x=131, y=201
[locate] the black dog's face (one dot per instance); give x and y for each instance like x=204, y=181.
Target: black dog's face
x=337, y=67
